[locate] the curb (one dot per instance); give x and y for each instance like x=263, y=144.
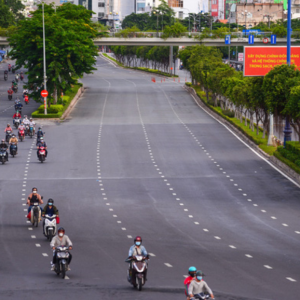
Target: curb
x=72, y=103
x=271, y=159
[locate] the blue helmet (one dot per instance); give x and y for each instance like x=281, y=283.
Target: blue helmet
x=192, y=271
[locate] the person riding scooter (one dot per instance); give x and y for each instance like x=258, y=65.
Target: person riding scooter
x=50, y=210
x=14, y=140
x=188, y=280
x=199, y=286
x=60, y=240
x=3, y=146
x=42, y=143
x=34, y=197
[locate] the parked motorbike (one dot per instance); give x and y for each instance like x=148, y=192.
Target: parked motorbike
x=138, y=271
x=3, y=158
x=42, y=154
x=30, y=131
x=62, y=257
x=17, y=122
x=21, y=134
x=9, y=97
x=50, y=226
x=8, y=135
x=13, y=149
x=35, y=214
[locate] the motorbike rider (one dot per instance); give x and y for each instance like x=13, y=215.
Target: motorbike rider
x=25, y=92
x=3, y=146
x=34, y=197
x=32, y=123
x=18, y=105
x=50, y=210
x=8, y=128
x=16, y=115
x=189, y=279
x=60, y=240
x=39, y=134
x=198, y=286
x=17, y=76
x=42, y=143
x=9, y=67
x=14, y=84
x=5, y=73
x=137, y=249
x=14, y=140
x=10, y=91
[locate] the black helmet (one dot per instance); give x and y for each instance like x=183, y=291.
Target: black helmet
x=138, y=239
x=13, y=135
x=2, y=141
x=34, y=188
x=199, y=273
x=50, y=201
x=61, y=229
x=40, y=128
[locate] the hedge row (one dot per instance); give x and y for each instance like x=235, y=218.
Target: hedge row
x=290, y=155
x=294, y=147
x=293, y=166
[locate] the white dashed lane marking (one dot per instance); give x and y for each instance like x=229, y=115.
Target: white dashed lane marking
x=45, y=254
x=291, y=279
x=168, y=265
x=231, y=246
x=248, y=255
x=268, y=267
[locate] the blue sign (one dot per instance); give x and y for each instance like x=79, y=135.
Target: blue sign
x=227, y=40
x=251, y=39
x=233, y=52
x=273, y=39
x=249, y=31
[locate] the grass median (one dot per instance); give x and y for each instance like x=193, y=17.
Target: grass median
x=57, y=110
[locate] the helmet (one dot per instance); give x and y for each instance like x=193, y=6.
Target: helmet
x=17, y=111
x=192, y=270
x=13, y=135
x=2, y=141
x=30, y=118
x=40, y=128
x=34, y=188
x=50, y=201
x=138, y=239
x=61, y=229
x=13, y=81
x=8, y=125
x=199, y=273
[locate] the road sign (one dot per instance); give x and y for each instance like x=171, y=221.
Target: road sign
x=273, y=39
x=44, y=93
x=233, y=52
x=251, y=39
x=227, y=40
x=241, y=57
x=265, y=40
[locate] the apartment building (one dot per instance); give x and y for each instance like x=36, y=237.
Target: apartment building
x=183, y=7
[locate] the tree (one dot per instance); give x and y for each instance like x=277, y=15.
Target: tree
x=6, y=16
x=70, y=49
x=175, y=30
x=16, y=7
x=141, y=21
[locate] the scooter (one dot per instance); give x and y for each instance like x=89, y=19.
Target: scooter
x=35, y=214
x=22, y=77
x=8, y=135
x=9, y=97
x=30, y=131
x=17, y=122
x=201, y=296
x=5, y=77
x=42, y=154
x=62, y=257
x=3, y=158
x=13, y=149
x=138, y=271
x=50, y=226
x=21, y=134
x=26, y=99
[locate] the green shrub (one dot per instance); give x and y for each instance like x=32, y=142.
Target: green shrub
x=188, y=84
x=53, y=109
x=294, y=147
x=228, y=113
x=293, y=166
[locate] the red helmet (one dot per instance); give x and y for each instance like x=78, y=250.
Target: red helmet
x=138, y=239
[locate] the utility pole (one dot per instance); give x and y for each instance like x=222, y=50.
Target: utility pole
x=171, y=59
x=44, y=56
x=229, y=33
x=269, y=18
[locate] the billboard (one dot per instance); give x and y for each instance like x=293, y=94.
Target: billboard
x=258, y=61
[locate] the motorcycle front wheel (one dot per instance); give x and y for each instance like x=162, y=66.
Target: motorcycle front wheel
x=63, y=271
x=139, y=284
x=50, y=235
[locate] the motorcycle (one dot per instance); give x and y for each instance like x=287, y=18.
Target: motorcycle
x=22, y=77
x=201, y=296
x=5, y=77
x=9, y=97
x=26, y=99
x=8, y=135
x=13, y=149
x=15, y=88
x=13, y=70
x=42, y=154
x=9, y=68
x=30, y=131
x=62, y=257
x=138, y=272
x=17, y=122
x=50, y=226
x=3, y=158
x=35, y=214
x=21, y=134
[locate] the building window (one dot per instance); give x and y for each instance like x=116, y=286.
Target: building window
x=175, y=3
x=297, y=11
x=101, y=4
x=140, y=6
x=214, y=1
x=180, y=14
x=100, y=15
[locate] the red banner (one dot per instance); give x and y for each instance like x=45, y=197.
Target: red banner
x=258, y=61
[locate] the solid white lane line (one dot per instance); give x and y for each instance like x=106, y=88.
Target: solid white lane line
x=291, y=279
x=248, y=255
x=268, y=267
x=168, y=265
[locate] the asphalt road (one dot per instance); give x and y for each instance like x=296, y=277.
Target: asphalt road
x=140, y=158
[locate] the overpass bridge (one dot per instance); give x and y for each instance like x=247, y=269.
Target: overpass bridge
x=184, y=41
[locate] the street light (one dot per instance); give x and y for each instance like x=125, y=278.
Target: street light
x=156, y=13
x=113, y=14
x=189, y=20
x=245, y=13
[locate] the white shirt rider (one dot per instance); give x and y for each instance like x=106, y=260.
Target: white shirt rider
x=26, y=121
x=22, y=127
x=31, y=123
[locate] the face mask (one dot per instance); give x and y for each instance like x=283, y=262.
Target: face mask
x=199, y=277
x=34, y=192
x=61, y=234
x=138, y=243
x=50, y=204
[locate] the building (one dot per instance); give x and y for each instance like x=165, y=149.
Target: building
x=256, y=11
x=295, y=9
x=182, y=8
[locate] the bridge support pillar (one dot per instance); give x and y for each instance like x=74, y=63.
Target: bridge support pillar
x=171, y=60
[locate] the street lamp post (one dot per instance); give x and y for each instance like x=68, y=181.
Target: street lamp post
x=44, y=55
x=287, y=130
x=189, y=20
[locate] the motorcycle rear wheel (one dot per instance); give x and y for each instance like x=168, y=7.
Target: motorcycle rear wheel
x=35, y=221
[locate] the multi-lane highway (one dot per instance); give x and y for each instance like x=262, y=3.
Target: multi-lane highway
x=141, y=158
